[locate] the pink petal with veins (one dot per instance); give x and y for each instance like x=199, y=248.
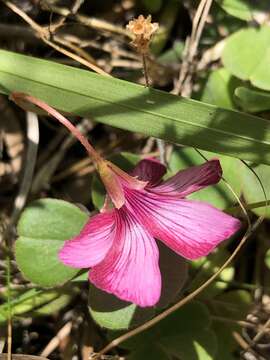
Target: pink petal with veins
x=191, y=228
x=192, y=179
x=92, y=244
x=130, y=269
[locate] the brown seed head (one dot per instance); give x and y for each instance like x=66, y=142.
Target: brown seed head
x=142, y=30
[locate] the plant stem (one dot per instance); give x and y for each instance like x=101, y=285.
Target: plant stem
x=145, y=72
x=20, y=98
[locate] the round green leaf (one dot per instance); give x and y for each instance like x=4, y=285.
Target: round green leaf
x=246, y=55
x=252, y=100
x=174, y=272
x=196, y=346
x=149, y=352
x=244, y=9
x=219, y=88
x=114, y=314
x=43, y=227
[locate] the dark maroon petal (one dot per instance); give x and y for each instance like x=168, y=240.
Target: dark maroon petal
x=150, y=170
x=192, y=179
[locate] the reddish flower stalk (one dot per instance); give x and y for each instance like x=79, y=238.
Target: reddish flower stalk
x=21, y=98
x=109, y=172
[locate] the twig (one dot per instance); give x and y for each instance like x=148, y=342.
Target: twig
x=91, y=22
x=44, y=34
x=54, y=343
x=33, y=139
x=183, y=85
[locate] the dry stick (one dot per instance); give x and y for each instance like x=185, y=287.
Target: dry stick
x=43, y=34
x=54, y=343
x=192, y=45
x=31, y=155
x=91, y=22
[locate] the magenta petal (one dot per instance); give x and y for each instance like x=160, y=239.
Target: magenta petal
x=92, y=244
x=192, y=179
x=130, y=270
x=150, y=170
x=190, y=228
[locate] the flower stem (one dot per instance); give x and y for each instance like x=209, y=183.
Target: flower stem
x=20, y=98
x=145, y=71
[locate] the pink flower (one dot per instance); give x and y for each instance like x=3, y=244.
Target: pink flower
x=119, y=245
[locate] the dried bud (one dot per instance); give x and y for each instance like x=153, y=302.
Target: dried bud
x=142, y=30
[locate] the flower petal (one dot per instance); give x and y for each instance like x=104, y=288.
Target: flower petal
x=130, y=270
x=192, y=179
x=150, y=170
x=190, y=228
x=92, y=244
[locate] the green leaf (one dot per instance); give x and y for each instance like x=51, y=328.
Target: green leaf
x=37, y=302
x=152, y=6
x=43, y=227
x=219, y=88
x=149, y=352
x=246, y=55
x=184, y=334
x=234, y=304
x=209, y=266
x=226, y=343
x=199, y=346
x=114, y=314
x=252, y=100
x=136, y=108
x=252, y=190
x=218, y=195
x=174, y=273
x=243, y=9
x=267, y=259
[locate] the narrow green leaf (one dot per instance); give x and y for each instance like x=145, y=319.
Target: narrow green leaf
x=37, y=302
x=43, y=227
x=136, y=108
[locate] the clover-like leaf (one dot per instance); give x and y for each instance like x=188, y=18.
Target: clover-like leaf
x=43, y=227
x=252, y=62
x=115, y=314
x=252, y=100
